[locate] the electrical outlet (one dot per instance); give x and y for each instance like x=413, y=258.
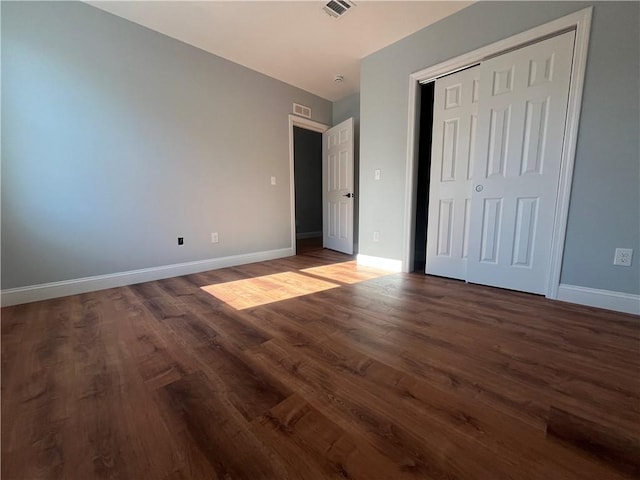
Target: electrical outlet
x=376, y=174
x=623, y=257
x=376, y=236
x=180, y=240
x=214, y=237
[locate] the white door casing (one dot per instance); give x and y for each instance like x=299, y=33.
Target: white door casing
x=521, y=125
x=337, y=187
x=455, y=114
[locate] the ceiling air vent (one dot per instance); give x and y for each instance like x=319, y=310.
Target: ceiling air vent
x=337, y=8
x=302, y=110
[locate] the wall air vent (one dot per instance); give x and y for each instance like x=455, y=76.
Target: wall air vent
x=337, y=8
x=302, y=110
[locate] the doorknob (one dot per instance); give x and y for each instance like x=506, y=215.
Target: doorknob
x=349, y=195
x=479, y=188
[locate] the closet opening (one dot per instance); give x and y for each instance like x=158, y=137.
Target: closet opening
x=426, y=92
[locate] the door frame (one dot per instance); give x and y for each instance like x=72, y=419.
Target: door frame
x=301, y=122
x=579, y=21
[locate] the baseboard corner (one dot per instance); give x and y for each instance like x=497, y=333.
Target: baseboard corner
x=305, y=235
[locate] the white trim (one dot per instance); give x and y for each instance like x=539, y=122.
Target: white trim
x=303, y=235
x=620, y=302
x=295, y=121
x=411, y=175
x=581, y=22
x=34, y=293
x=388, y=264
x=580, y=47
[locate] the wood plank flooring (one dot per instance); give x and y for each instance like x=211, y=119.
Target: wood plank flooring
x=381, y=376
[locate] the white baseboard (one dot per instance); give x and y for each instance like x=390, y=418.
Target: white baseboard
x=303, y=235
x=620, y=302
x=388, y=264
x=34, y=293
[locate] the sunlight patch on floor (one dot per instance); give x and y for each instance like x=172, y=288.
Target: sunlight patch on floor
x=253, y=292
x=346, y=272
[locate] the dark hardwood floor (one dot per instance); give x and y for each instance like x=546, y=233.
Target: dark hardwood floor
x=308, y=245
x=347, y=373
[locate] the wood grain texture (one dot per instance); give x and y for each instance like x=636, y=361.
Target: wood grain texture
x=382, y=376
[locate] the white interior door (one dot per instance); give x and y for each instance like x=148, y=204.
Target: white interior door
x=337, y=187
x=521, y=118
x=455, y=113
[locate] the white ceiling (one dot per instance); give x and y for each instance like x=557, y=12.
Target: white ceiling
x=293, y=41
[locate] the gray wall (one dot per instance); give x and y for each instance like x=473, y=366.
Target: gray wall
x=307, y=146
x=117, y=140
x=347, y=107
x=605, y=199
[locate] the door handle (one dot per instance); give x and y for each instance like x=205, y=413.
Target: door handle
x=348, y=195
x=479, y=188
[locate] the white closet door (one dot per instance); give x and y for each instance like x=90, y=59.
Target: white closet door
x=454, y=125
x=521, y=119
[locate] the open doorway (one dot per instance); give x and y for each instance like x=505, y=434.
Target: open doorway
x=424, y=168
x=307, y=158
x=301, y=125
